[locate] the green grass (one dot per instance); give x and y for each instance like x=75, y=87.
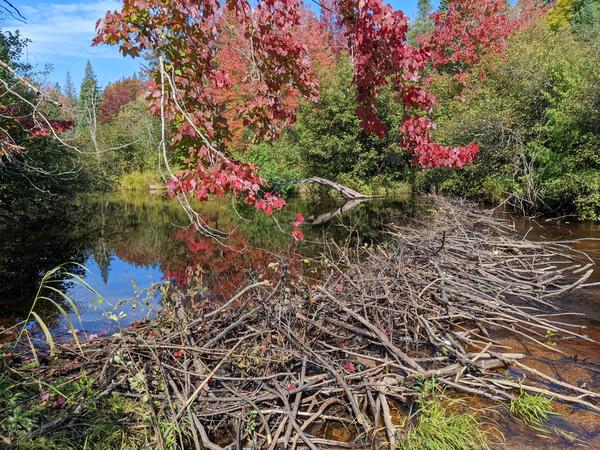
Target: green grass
x=531, y=409
x=50, y=291
x=139, y=181
x=27, y=403
x=439, y=428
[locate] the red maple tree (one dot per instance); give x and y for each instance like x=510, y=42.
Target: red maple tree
x=469, y=29
x=186, y=36
x=235, y=57
x=118, y=94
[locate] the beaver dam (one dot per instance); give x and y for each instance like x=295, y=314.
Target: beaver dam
x=361, y=350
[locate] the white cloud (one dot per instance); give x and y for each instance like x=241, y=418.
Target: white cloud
x=64, y=29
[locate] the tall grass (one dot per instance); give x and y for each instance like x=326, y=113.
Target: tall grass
x=437, y=427
x=139, y=181
x=50, y=287
x=531, y=409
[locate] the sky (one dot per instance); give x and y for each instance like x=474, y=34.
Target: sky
x=61, y=32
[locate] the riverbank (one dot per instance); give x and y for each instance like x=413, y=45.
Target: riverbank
x=287, y=356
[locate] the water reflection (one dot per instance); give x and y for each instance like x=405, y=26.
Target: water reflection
x=144, y=239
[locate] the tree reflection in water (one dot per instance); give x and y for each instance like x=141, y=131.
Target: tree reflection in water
x=123, y=237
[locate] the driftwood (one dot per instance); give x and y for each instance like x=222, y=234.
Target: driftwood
x=346, y=192
x=349, y=348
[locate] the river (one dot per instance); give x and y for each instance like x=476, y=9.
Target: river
x=130, y=243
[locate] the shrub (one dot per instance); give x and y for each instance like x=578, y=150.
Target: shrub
x=535, y=113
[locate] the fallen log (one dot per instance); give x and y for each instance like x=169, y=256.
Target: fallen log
x=345, y=191
x=326, y=217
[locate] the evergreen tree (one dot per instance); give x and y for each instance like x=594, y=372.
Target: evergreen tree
x=444, y=5
x=69, y=88
x=586, y=19
x=424, y=9
x=423, y=24
x=89, y=95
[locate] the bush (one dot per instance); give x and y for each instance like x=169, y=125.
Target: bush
x=126, y=144
x=139, y=181
x=332, y=144
x=278, y=162
x=535, y=113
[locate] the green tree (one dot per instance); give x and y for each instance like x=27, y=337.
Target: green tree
x=332, y=144
x=69, y=88
x=130, y=143
x=423, y=24
x=535, y=114
x=89, y=97
x=586, y=19
x=424, y=9
x=41, y=172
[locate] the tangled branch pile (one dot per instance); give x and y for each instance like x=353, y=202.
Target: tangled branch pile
x=268, y=368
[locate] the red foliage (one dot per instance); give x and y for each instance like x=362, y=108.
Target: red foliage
x=186, y=33
x=334, y=25
x=18, y=123
x=222, y=269
x=235, y=58
x=349, y=367
x=417, y=139
x=296, y=232
x=531, y=11
x=35, y=129
x=221, y=178
x=118, y=94
x=274, y=71
x=382, y=56
x=466, y=31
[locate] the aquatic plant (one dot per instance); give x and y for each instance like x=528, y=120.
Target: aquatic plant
x=438, y=427
x=531, y=409
x=49, y=292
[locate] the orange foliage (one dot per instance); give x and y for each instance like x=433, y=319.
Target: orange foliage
x=235, y=58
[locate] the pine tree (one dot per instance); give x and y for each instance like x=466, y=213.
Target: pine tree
x=586, y=19
x=89, y=96
x=424, y=9
x=444, y=5
x=423, y=24
x=69, y=88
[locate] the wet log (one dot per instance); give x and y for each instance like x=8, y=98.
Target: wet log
x=346, y=192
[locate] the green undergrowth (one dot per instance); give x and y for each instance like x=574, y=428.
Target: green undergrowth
x=139, y=181
x=532, y=410
x=440, y=424
x=105, y=422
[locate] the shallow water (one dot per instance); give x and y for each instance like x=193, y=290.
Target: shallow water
x=580, y=365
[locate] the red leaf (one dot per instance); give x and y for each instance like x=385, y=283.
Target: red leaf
x=349, y=367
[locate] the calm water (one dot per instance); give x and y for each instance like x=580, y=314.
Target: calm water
x=132, y=242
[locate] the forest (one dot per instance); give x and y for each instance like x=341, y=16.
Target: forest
x=305, y=225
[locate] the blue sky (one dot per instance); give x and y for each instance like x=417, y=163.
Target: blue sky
x=61, y=32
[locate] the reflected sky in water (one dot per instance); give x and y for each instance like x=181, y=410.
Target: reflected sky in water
x=122, y=280
x=136, y=241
